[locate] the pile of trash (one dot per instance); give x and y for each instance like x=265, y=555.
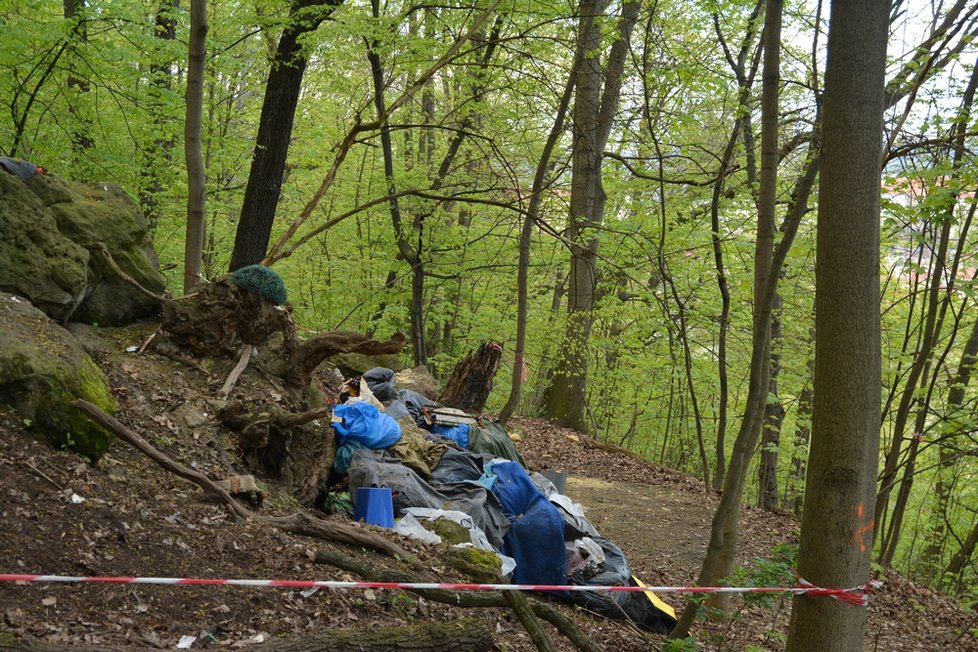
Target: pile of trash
x=441, y=463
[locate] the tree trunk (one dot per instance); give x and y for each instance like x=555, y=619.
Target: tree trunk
x=594, y=111
x=160, y=82
x=836, y=531
x=767, y=472
x=196, y=189
x=794, y=494
x=466, y=635
x=274, y=134
x=744, y=82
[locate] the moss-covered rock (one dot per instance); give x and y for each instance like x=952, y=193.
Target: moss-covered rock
x=105, y=214
x=42, y=370
x=36, y=260
x=49, y=230
x=450, y=532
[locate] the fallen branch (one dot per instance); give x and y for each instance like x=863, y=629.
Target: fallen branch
x=480, y=599
x=298, y=523
x=43, y=475
x=466, y=635
x=246, y=352
x=521, y=607
x=149, y=340
x=110, y=261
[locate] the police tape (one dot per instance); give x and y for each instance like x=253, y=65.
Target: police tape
x=858, y=595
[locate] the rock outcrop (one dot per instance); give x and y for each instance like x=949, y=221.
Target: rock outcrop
x=43, y=368
x=51, y=231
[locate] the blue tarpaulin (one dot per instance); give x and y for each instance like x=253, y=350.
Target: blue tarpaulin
x=536, y=534
x=364, y=423
x=458, y=433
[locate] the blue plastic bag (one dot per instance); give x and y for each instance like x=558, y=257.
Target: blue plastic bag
x=364, y=423
x=458, y=433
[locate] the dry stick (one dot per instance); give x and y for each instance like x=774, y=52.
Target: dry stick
x=149, y=339
x=298, y=523
x=246, y=352
x=42, y=474
x=480, y=599
x=102, y=249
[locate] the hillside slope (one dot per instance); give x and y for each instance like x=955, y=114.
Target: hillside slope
x=128, y=517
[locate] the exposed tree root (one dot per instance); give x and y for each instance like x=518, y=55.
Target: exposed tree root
x=562, y=623
x=298, y=523
x=467, y=635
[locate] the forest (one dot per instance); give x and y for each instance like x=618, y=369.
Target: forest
x=624, y=195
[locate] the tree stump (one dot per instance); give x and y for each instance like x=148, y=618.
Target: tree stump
x=471, y=381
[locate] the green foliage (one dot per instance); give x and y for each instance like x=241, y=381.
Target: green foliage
x=778, y=570
x=688, y=644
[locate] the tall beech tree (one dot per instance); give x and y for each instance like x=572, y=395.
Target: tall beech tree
x=597, y=92
x=837, y=524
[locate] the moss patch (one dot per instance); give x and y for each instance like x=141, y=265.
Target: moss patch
x=42, y=370
x=481, y=565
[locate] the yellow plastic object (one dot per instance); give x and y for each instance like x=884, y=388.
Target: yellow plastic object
x=654, y=599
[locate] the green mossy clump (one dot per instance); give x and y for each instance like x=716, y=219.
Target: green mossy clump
x=450, y=532
x=43, y=369
x=263, y=281
x=80, y=434
x=483, y=566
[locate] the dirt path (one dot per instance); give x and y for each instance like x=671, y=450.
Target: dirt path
x=662, y=530
x=661, y=521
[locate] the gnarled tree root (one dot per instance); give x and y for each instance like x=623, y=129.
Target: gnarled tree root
x=298, y=523
x=562, y=623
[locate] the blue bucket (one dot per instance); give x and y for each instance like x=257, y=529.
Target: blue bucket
x=375, y=505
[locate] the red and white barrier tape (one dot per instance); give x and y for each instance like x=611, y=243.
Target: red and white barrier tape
x=856, y=595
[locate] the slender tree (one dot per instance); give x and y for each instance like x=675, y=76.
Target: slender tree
x=596, y=98
x=526, y=233
x=724, y=531
x=196, y=190
x=158, y=154
x=81, y=137
x=837, y=525
x=767, y=472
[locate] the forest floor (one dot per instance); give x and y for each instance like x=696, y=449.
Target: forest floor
x=126, y=516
